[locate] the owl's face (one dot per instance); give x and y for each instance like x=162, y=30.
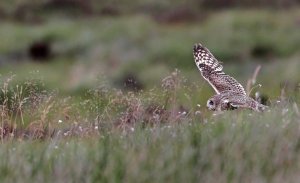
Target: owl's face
x=219, y=103
x=211, y=104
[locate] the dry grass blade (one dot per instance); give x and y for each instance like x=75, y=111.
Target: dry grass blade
x=251, y=82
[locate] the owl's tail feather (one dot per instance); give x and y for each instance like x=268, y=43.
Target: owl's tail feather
x=256, y=106
x=260, y=107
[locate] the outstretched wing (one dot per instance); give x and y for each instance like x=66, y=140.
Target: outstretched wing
x=211, y=70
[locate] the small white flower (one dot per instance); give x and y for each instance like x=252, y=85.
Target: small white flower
x=132, y=129
x=96, y=127
x=60, y=121
x=198, y=105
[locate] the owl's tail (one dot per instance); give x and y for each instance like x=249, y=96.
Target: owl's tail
x=260, y=107
x=256, y=106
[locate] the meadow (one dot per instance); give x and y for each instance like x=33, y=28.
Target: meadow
x=119, y=99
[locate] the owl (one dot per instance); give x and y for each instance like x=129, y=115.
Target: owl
x=230, y=94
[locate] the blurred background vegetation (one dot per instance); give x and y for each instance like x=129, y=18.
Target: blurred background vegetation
x=109, y=91
x=75, y=45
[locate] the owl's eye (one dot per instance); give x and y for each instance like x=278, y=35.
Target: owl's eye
x=211, y=102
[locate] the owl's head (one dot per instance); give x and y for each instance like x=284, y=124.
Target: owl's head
x=211, y=104
x=217, y=103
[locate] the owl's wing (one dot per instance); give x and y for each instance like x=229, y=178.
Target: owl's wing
x=211, y=70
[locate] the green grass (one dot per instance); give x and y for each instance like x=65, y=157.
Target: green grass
x=113, y=136
x=70, y=120
x=232, y=147
x=115, y=46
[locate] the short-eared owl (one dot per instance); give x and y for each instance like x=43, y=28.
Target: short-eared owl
x=230, y=93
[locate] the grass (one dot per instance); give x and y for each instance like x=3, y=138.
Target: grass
x=72, y=119
x=237, y=146
x=159, y=135
x=89, y=46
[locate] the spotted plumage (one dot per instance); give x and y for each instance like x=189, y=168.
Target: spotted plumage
x=230, y=93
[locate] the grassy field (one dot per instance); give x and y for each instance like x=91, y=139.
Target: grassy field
x=120, y=100
x=239, y=146
x=160, y=135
